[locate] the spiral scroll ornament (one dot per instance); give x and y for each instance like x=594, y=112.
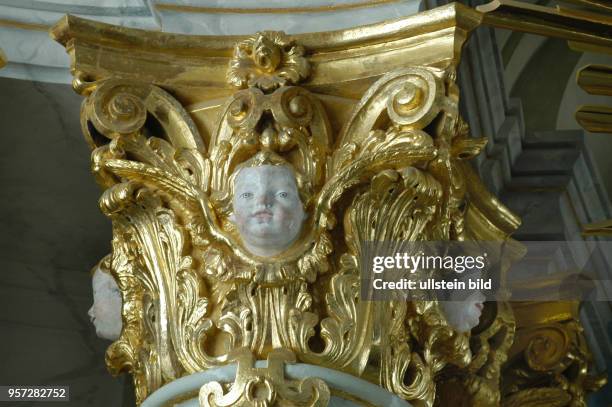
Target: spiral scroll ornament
x=547, y=349
x=292, y=106
x=116, y=108
x=417, y=100
x=246, y=109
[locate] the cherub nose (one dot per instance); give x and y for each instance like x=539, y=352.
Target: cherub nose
x=264, y=200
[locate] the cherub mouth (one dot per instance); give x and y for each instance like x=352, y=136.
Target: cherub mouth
x=479, y=305
x=263, y=214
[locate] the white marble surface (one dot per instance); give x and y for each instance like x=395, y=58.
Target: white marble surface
x=36, y=73
x=33, y=55
x=265, y=3
x=32, y=47
x=49, y=18
x=223, y=23
x=92, y=7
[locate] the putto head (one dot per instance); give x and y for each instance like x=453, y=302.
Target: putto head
x=105, y=313
x=267, y=207
x=463, y=308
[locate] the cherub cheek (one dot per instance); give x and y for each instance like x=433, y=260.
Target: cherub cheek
x=280, y=214
x=284, y=217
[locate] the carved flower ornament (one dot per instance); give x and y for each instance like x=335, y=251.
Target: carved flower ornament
x=267, y=61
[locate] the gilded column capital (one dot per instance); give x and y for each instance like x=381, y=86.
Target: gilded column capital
x=362, y=154
x=243, y=176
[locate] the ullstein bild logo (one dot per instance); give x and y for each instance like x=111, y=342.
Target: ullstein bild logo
x=433, y=284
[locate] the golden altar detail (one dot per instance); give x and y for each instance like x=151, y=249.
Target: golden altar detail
x=368, y=118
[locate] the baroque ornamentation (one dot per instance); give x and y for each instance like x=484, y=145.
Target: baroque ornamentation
x=477, y=385
x=265, y=387
x=195, y=297
x=193, y=293
x=267, y=61
x=552, y=363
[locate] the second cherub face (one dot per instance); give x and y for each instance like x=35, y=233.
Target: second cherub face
x=267, y=208
x=463, y=308
x=105, y=313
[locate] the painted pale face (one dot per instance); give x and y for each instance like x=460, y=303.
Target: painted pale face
x=267, y=209
x=463, y=315
x=464, y=307
x=105, y=313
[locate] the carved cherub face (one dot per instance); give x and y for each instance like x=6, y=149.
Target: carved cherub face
x=464, y=307
x=464, y=314
x=105, y=313
x=267, y=208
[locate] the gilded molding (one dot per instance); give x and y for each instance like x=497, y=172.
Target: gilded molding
x=267, y=61
x=23, y=26
x=178, y=260
x=601, y=5
x=200, y=62
x=580, y=27
x=596, y=79
x=595, y=118
x=601, y=228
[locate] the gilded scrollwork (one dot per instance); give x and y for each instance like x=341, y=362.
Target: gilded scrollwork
x=196, y=297
x=193, y=293
x=552, y=367
x=265, y=387
x=477, y=384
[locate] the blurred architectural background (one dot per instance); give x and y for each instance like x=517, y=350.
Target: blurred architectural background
x=519, y=90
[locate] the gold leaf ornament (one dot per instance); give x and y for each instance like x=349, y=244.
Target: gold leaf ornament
x=267, y=61
x=265, y=387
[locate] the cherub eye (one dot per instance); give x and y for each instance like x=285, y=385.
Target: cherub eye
x=282, y=194
x=246, y=195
